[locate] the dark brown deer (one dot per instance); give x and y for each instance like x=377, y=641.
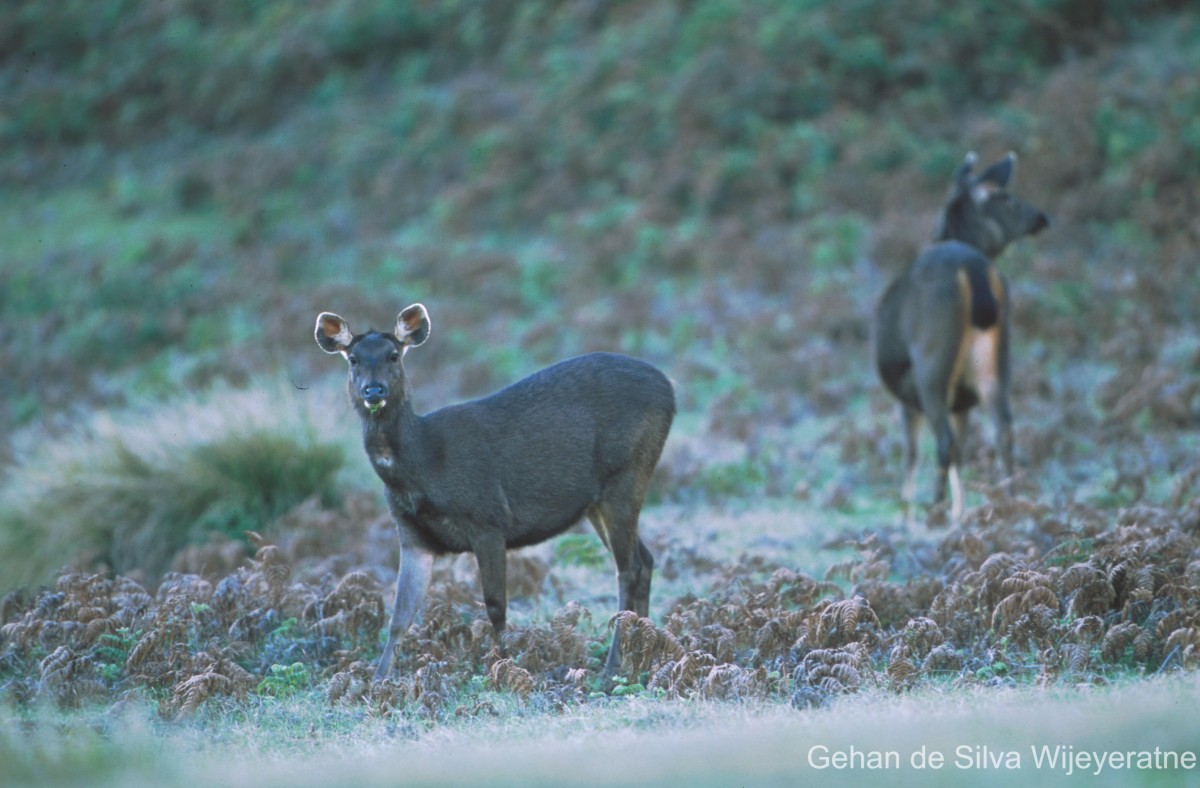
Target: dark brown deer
x=941, y=328
x=580, y=438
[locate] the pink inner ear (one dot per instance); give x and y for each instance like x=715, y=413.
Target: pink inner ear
x=336, y=330
x=410, y=322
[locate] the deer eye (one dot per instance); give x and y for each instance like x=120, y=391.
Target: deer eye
x=353, y=360
x=394, y=356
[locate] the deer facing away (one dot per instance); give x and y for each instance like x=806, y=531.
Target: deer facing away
x=941, y=329
x=577, y=439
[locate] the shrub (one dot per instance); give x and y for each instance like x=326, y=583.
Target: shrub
x=131, y=489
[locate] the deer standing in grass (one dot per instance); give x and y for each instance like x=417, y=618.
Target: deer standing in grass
x=941, y=328
x=580, y=438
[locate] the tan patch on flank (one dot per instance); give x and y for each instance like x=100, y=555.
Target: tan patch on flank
x=982, y=367
x=964, y=342
x=982, y=355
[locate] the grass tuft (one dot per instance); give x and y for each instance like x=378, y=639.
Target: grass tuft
x=131, y=489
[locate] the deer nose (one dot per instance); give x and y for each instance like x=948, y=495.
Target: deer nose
x=374, y=393
x=1040, y=223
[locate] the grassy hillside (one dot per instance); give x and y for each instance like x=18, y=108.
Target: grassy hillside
x=187, y=183
x=723, y=188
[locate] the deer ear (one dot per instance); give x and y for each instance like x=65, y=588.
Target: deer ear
x=959, y=199
x=1001, y=172
x=412, y=326
x=962, y=176
x=333, y=333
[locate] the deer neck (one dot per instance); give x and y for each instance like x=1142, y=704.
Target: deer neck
x=965, y=223
x=391, y=440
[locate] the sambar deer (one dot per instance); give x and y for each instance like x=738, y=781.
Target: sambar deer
x=941, y=329
x=580, y=438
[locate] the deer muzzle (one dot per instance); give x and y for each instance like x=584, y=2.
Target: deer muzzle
x=374, y=396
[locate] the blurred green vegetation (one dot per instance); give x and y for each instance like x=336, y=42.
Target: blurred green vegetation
x=721, y=187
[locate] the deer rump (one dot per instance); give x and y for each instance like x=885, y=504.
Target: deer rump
x=946, y=311
x=551, y=443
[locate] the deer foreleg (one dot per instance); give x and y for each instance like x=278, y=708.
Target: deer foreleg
x=416, y=570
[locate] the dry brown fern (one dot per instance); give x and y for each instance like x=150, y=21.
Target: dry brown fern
x=68, y=678
x=941, y=659
x=270, y=562
x=1088, y=630
x=716, y=639
x=1022, y=592
x=726, y=682
x=1142, y=583
x=1118, y=640
x=535, y=647
x=350, y=685
x=1088, y=588
x=957, y=614
x=353, y=611
x=901, y=671
x=1074, y=657
x=846, y=621
x=892, y=603
x=788, y=588
x=1174, y=620
x=430, y=686
x=1183, y=645
x=506, y=675
x=990, y=577
x=642, y=643
x=526, y=575
x=921, y=635
x=834, y=670
x=774, y=638
x=1036, y=627
x=681, y=677
x=210, y=677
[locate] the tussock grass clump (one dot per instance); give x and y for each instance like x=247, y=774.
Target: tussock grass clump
x=131, y=489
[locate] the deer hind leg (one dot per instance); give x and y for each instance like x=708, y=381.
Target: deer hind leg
x=936, y=388
x=491, y=557
x=615, y=518
x=911, y=417
x=995, y=401
x=948, y=461
x=990, y=379
x=1004, y=441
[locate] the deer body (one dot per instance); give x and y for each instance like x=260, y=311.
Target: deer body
x=941, y=328
x=577, y=439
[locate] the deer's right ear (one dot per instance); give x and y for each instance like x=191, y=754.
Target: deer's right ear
x=333, y=333
x=1001, y=172
x=412, y=326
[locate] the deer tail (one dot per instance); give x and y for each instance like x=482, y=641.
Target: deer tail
x=985, y=295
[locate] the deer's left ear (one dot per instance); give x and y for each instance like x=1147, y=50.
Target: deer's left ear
x=412, y=326
x=333, y=333
x=962, y=176
x=1001, y=173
